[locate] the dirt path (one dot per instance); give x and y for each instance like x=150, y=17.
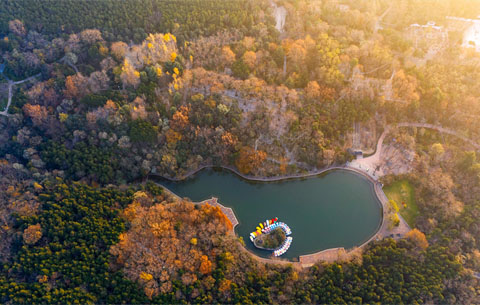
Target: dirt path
x=377, y=24
x=280, y=13
x=10, y=91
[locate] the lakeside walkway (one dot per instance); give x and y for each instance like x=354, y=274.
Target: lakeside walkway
x=327, y=255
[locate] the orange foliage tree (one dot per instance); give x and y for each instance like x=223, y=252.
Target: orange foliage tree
x=37, y=113
x=32, y=234
x=418, y=238
x=180, y=118
x=248, y=159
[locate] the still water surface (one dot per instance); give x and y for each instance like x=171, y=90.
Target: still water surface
x=336, y=209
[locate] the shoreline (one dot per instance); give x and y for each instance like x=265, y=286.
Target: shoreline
x=307, y=260
x=309, y=174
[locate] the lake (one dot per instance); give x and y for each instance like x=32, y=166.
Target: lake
x=336, y=209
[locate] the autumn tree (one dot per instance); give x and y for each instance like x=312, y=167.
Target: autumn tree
x=250, y=58
x=316, y=92
x=17, y=27
x=180, y=118
x=98, y=81
x=37, y=113
x=437, y=151
x=296, y=54
x=173, y=137
x=205, y=265
x=129, y=76
x=228, y=57
x=32, y=234
x=418, y=238
x=91, y=36
x=138, y=110
x=405, y=87
x=76, y=86
x=119, y=49
x=249, y=159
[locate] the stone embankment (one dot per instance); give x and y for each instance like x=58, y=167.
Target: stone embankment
x=328, y=255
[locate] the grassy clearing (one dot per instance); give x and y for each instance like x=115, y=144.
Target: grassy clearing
x=403, y=194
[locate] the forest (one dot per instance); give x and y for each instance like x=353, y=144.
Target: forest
x=96, y=96
x=62, y=256
x=131, y=19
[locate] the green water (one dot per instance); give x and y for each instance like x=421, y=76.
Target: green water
x=336, y=209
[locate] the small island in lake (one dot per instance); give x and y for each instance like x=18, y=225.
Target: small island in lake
x=272, y=235
x=270, y=241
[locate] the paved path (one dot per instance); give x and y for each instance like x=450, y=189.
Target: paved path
x=371, y=164
x=442, y=130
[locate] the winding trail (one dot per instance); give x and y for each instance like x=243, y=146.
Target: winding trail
x=373, y=161
x=442, y=130
x=377, y=24
x=10, y=91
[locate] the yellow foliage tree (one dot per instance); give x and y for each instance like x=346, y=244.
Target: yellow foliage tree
x=394, y=205
x=225, y=285
x=62, y=117
x=146, y=276
x=228, y=57
x=250, y=58
x=129, y=76
x=172, y=136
